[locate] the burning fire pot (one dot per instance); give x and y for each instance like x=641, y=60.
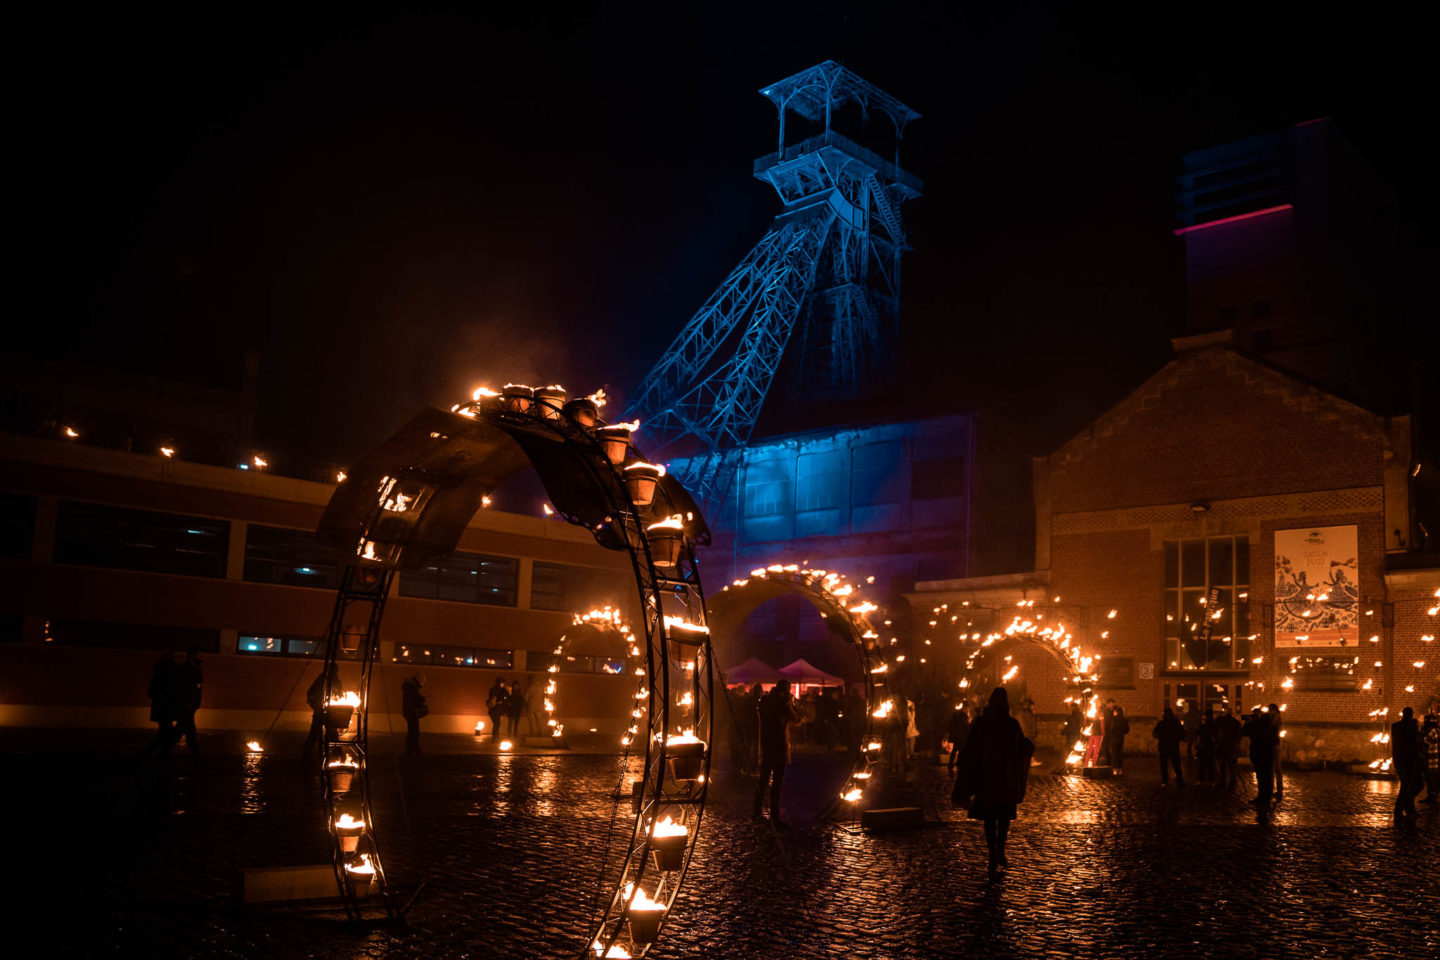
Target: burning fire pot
x=550, y=401
x=667, y=843
x=666, y=538
x=583, y=411
x=360, y=876
x=517, y=397
x=644, y=915
x=615, y=440
x=348, y=829
x=342, y=774
x=640, y=480
x=686, y=755
x=350, y=638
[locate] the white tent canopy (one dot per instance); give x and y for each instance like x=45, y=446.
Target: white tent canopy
x=803, y=671
x=752, y=671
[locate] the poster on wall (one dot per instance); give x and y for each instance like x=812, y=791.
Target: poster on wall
x=1317, y=587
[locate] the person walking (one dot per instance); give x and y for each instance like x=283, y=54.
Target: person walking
x=515, y=707
x=1168, y=733
x=1227, y=748
x=412, y=708
x=1116, y=727
x=1430, y=757
x=1262, y=756
x=495, y=705
x=1074, y=729
x=994, y=766
x=957, y=731
x=162, y=692
x=1405, y=762
x=189, y=683
x=1205, y=743
x=776, y=714
x=1191, y=723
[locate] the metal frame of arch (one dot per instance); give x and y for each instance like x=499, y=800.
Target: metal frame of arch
x=408, y=501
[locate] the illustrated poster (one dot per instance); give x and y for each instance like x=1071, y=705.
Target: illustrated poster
x=1317, y=587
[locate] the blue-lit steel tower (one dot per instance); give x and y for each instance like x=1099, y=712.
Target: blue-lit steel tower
x=823, y=284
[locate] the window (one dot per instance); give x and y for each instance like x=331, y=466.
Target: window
x=1207, y=603
x=767, y=489
x=95, y=535
x=293, y=557
x=819, y=481
x=574, y=664
x=130, y=636
x=17, y=525
x=1326, y=673
x=464, y=578
x=876, y=475
x=1116, y=673
x=280, y=646
x=556, y=586
x=447, y=656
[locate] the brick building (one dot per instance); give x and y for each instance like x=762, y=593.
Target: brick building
x=108, y=556
x=1188, y=509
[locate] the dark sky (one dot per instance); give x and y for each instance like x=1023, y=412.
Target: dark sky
x=395, y=205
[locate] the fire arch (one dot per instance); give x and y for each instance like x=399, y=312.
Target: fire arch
x=839, y=601
x=1029, y=629
x=408, y=501
x=608, y=623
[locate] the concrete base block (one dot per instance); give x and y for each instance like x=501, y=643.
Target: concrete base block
x=892, y=818
x=279, y=884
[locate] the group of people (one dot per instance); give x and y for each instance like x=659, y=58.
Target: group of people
x=506, y=703
x=174, y=691
x=1415, y=761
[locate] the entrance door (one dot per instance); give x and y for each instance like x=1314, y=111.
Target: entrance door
x=1206, y=697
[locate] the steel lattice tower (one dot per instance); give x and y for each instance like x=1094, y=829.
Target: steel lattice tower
x=826, y=273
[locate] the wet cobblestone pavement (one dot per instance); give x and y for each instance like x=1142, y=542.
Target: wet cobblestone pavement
x=114, y=864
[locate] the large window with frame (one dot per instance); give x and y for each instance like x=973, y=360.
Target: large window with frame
x=98, y=535
x=1207, y=603
x=293, y=557
x=273, y=645
x=559, y=586
x=449, y=656
x=465, y=578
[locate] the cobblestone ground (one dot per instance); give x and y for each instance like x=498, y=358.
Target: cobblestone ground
x=118, y=862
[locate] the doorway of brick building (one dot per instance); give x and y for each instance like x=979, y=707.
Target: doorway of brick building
x=1212, y=697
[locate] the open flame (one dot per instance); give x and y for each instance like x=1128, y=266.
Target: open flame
x=851, y=795
x=598, y=398
x=254, y=746
x=364, y=868
x=667, y=827
x=616, y=951
x=641, y=900
x=641, y=467
x=479, y=726
x=687, y=737
x=669, y=523
x=483, y=392
x=347, y=822
x=348, y=699
x=70, y=432
x=167, y=452
x=506, y=745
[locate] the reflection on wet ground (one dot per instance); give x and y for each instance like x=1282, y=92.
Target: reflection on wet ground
x=509, y=848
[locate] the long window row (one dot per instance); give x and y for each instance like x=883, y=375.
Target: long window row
x=124, y=538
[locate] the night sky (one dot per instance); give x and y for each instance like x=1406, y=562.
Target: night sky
x=397, y=205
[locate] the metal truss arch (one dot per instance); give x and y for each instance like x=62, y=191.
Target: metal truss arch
x=409, y=500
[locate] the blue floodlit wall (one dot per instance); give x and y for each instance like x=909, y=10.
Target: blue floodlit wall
x=888, y=500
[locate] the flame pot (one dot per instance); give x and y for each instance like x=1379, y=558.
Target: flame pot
x=669, y=851
x=644, y=924
x=550, y=401
x=686, y=760
x=616, y=443
x=516, y=398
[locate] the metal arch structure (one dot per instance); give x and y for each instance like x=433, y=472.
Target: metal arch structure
x=840, y=603
x=408, y=501
x=827, y=271
x=607, y=621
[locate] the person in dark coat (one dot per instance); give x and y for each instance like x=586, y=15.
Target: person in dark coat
x=1074, y=729
x=776, y=713
x=1112, y=747
x=1261, y=734
x=1430, y=757
x=412, y=708
x=1405, y=763
x=957, y=731
x=189, y=682
x=495, y=705
x=1205, y=743
x=162, y=692
x=993, y=769
x=1227, y=748
x=1168, y=733
x=515, y=707
x=1191, y=722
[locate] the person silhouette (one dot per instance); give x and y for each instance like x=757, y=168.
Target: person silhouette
x=993, y=768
